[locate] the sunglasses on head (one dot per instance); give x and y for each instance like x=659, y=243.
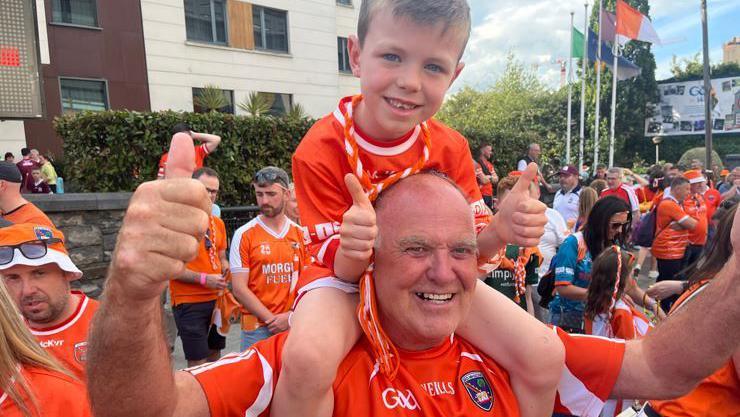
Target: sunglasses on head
x=271, y=177
x=33, y=249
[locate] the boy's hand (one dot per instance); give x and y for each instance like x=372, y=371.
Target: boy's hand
x=521, y=219
x=162, y=227
x=359, y=229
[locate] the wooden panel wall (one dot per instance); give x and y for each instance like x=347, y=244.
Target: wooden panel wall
x=241, y=32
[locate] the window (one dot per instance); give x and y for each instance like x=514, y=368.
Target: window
x=203, y=103
x=205, y=20
x=79, y=95
x=343, y=55
x=270, y=29
x=344, y=2
x=279, y=103
x=74, y=12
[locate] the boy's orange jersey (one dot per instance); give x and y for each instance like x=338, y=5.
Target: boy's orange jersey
x=273, y=261
x=696, y=207
x=320, y=164
x=56, y=394
x=718, y=395
x=183, y=292
x=453, y=379
x=669, y=243
x=67, y=341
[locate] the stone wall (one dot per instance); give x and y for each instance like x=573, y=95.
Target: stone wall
x=90, y=224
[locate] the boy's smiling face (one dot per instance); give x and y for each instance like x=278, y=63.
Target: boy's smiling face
x=405, y=69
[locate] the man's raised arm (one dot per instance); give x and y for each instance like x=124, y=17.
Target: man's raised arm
x=694, y=342
x=129, y=369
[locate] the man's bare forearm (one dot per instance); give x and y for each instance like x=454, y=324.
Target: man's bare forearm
x=691, y=344
x=128, y=354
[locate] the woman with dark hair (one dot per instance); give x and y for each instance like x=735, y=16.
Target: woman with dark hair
x=718, y=394
x=609, y=223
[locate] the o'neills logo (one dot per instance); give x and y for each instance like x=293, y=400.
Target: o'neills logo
x=51, y=343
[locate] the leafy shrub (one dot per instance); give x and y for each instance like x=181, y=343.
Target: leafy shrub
x=118, y=150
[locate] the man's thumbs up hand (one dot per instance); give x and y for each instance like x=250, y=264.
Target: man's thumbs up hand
x=163, y=225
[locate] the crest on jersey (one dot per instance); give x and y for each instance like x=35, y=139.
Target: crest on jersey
x=265, y=249
x=479, y=389
x=42, y=233
x=81, y=352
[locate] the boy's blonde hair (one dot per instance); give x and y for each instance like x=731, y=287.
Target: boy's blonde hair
x=454, y=14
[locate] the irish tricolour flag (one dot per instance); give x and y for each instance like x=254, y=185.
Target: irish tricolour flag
x=632, y=24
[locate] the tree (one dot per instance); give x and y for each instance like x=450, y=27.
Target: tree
x=692, y=69
x=211, y=98
x=516, y=111
x=256, y=104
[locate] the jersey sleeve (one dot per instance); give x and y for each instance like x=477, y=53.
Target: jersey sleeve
x=162, y=164
x=222, y=241
x=239, y=252
x=323, y=201
x=592, y=366
x=566, y=262
x=674, y=212
x=242, y=383
x=634, y=203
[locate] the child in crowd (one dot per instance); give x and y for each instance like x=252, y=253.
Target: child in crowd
x=406, y=54
x=38, y=184
x=609, y=313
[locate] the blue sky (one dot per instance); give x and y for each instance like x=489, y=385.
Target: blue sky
x=536, y=32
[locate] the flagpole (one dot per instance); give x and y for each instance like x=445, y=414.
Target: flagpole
x=598, y=92
x=570, y=92
x=614, y=103
x=583, y=86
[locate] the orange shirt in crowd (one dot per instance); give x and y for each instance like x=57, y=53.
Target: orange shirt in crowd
x=56, y=394
x=453, y=379
x=486, y=189
x=625, y=323
x=67, y=341
x=208, y=261
x=695, y=206
x=718, y=395
x=713, y=199
x=273, y=260
x=669, y=243
x=201, y=151
x=28, y=213
x=320, y=164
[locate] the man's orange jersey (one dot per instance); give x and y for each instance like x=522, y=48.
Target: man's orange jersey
x=207, y=261
x=67, y=341
x=453, y=379
x=273, y=261
x=28, y=213
x=320, y=164
x=695, y=206
x=56, y=394
x=718, y=395
x=201, y=151
x=669, y=243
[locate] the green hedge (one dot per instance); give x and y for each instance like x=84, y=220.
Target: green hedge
x=118, y=150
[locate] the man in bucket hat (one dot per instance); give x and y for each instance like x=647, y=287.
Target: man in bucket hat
x=37, y=272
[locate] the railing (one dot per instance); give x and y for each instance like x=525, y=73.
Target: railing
x=236, y=217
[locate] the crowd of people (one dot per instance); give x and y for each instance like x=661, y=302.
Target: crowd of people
x=395, y=275
x=37, y=172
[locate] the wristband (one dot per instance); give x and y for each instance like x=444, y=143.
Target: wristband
x=203, y=279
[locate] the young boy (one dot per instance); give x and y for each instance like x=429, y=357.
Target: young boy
x=38, y=183
x=406, y=54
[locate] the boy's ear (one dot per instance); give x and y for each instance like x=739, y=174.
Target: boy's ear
x=458, y=70
x=353, y=47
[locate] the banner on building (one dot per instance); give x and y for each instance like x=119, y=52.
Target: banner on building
x=681, y=108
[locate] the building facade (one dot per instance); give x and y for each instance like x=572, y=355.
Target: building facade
x=731, y=51
x=289, y=51
x=92, y=55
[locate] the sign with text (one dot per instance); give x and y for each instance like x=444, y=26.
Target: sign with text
x=681, y=108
